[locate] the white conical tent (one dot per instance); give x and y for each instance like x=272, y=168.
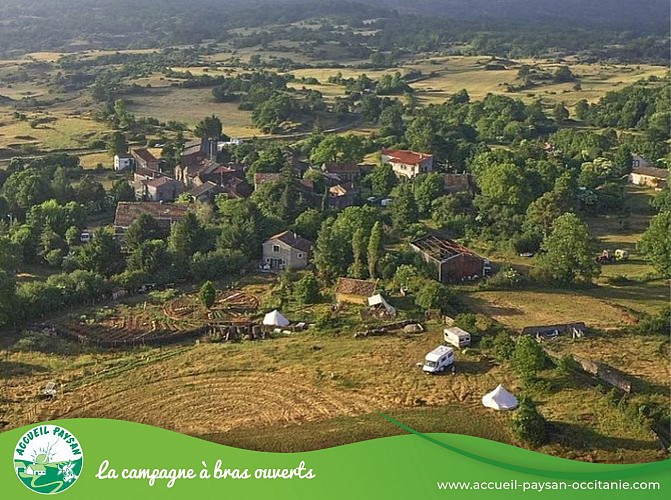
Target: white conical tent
x=275, y=318
x=500, y=399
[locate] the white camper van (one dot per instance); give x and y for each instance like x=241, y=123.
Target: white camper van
x=438, y=359
x=457, y=337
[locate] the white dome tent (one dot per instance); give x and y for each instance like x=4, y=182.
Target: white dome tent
x=275, y=318
x=500, y=399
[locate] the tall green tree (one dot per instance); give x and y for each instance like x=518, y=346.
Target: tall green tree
x=338, y=149
x=102, y=255
x=404, y=210
x=358, y=267
x=328, y=257
x=375, y=249
x=543, y=212
x=7, y=298
x=149, y=257
x=433, y=295
x=209, y=128
x=560, y=113
x=142, y=229
x=207, y=294
x=505, y=184
x=307, y=289
x=529, y=424
x=241, y=227
x=655, y=243
x=186, y=238
x=569, y=252
x=25, y=189
x=308, y=223
x=382, y=180
x=117, y=143
x=121, y=190
x=528, y=358
x=428, y=188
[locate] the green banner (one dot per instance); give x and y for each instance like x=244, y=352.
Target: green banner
x=101, y=459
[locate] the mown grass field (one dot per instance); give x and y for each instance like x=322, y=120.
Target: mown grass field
x=311, y=390
x=190, y=106
x=308, y=391
x=66, y=132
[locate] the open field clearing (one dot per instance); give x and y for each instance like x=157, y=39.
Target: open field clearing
x=190, y=106
x=456, y=73
x=61, y=132
x=461, y=72
x=19, y=91
x=644, y=357
x=517, y=309
x=91, y=160
x=316, y=390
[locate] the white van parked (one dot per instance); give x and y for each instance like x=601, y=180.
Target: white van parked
x=457, y=337
x=438, y=359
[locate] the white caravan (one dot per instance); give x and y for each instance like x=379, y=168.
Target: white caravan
x=438, y=359
x=457, y=337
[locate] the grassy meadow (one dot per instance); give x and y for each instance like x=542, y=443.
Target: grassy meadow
x=311, y=390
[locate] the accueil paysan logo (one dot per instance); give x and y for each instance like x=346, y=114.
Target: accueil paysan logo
x=48, y=459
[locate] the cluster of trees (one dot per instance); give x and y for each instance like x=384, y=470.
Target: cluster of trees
x=644, y=106
x=654, y=243
x=26, y=184
x=204, y=245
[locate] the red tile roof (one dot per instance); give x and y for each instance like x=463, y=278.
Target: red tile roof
x=352, y=286
x=161, y=181
x=405, y=156
x=144, y=155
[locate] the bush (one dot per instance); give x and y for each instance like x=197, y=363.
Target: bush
x=529, y=425
x=207, y=294
x=216, y=264
x=619, y=280
x=43, y=342
x=566, y=364
x=504, y=346
x=307, y=289
x=529, y=241
x=507, y=277
x=542, y=277
x=327, y=320
x=528, y=358
x=433, y=295
x=657, y=324
x=163, y=295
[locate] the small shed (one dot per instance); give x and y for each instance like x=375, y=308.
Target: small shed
x=353, y=291
x=275, y=318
